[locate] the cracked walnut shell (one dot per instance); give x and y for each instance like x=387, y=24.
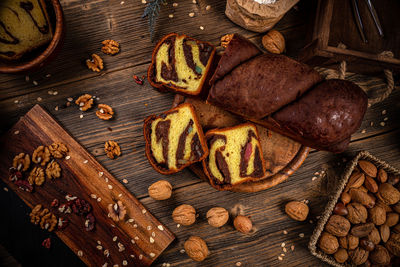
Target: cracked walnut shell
x=36, y=176
x=95, y=64
x=41, y=155
x=160, y=190
x=117, y=211
x=184, y=214
x=110, y=47
x=21, y=162
x=196, y=248
x=105, y=112
x=84, y=102
x=217, y=216
x=112, y=149
x=53, y=170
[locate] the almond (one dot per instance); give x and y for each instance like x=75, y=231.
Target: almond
x=355, y=181
x=388, y=194
x=368, y=168
x=382, y=176
x=346, y=198
x=385, y=232
x=362, y=197
x=370, y=184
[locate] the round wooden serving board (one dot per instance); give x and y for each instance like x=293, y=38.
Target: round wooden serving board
x=282, y=155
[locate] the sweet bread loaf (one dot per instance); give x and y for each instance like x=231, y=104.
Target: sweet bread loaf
x=289, y=97
x=174, y=139
x=235, y=156
x=180, y=64
x=24, y=26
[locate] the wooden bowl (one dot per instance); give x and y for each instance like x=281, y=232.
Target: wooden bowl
x=41, y=56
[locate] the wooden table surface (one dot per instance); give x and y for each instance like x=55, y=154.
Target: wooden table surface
x=89, y=22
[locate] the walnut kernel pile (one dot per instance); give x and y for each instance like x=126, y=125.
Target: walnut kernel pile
x=112, y=149
x=364, y=227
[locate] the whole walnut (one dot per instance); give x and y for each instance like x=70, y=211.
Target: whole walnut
x=274, y=42
x=377, y=215
x=184, y=214
x=358, y=256
x=349, y=242
x=297, y=210
x=388, y=194
x=341, y=255
x=357, y=213
x=243, y=224
x=217, y=216
x=338, y=225
x=160, y=190
x=362, y=197
x=380, y=256
x=374, y=236
x=382, y=204
x=196, y=248
x=393, y=244
x=328, y=243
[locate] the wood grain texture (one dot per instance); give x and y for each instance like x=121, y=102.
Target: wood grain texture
x=87, y=25
x=81, y=177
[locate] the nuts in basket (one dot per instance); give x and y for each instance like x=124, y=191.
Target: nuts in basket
x=364, y=226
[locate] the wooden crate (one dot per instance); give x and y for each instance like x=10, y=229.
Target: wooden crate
x=335, y=23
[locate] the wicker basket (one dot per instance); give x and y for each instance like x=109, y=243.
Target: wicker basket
x=334, y=199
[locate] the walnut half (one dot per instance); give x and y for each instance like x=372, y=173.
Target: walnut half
x=84, y=102
x=110, y=47
x=95, y=64
x=105, y=112
x=112, y=149
x=53, y=170
x=36, y=176
x=41, y=155
x=21, y=162
x=58, y=150
x=117, y=211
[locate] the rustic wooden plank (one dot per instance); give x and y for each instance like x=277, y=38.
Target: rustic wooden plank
x=90, y=22
x=81, y=178
x=266, y=209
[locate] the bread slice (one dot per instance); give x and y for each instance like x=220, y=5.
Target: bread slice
x=24, y=26
x=180, y=64
x=174, y=140
x=235, y=156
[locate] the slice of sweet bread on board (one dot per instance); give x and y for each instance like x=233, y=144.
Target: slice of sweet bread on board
x=180, y=64
x=174, y=139
x=235, y=156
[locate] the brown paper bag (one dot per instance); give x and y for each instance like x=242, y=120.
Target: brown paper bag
x=257, y=17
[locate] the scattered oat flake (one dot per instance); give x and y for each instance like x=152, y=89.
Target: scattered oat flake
x=283, y=244
x=301, y=235
x=85, y=161
x=191, y=14
x=106, y=253
x=292, y=247
x=132, y=256
x=115, y=238
x=50, y=92
x=285, y=232
x=16, y=101
x=80, y=253
x=35, y=83
x=178, y=225
x=101, y=174
x=170, y=16
x=93, y=196
x=175, y=4
x=201, y=28
x=386, y=118
x=144, y=211
x=122, y=2
x=238, y=263
x=182, y=251
x=81, y=116
x=140, y=256
x=284, y=250
x=160, y=227
x=149, y=228
x=99, y=247
x=67, y=157
x=314, y=178
x=130, y=220
x=105, y=264
x=363, y=131
x=133, y=241
x=144, y=1
x=151, y=240
x=384, y=112
x=16, y=132
x=208, y=7
x=124, y=262
x=106, y=179
x=280, y=258
x=282, y=255
x=151, y=254
x=39, y=99
x=56, y=108
x=120, y=195
x=55, y=93
x=125, y=181
x=136, y=238
x=311, y=221
x=153, y=234
x=5, y=189
x=372, y=123
x=99, y=199
x=110, y=187
x=382, y=123
x=48, y=75
x=135, y=225
x=99, y=242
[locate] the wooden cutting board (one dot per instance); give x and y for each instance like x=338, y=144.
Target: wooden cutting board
x=144, y=238
x=282, y=155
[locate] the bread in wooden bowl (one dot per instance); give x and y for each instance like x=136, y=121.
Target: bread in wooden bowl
x=235, y=156
x=180, y=64
x=174, y=139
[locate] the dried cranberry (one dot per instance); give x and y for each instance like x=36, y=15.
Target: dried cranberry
x=55, y=203
x=24, y=185
x=46, y=243
x=138, y=80
x=81, y=207
x=62, y=223
x=90, y=221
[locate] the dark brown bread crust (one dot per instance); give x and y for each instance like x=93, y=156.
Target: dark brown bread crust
x=215, y=134
x=238, y=51
x=170, y=87
x=262, y=85
x=200, y=140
